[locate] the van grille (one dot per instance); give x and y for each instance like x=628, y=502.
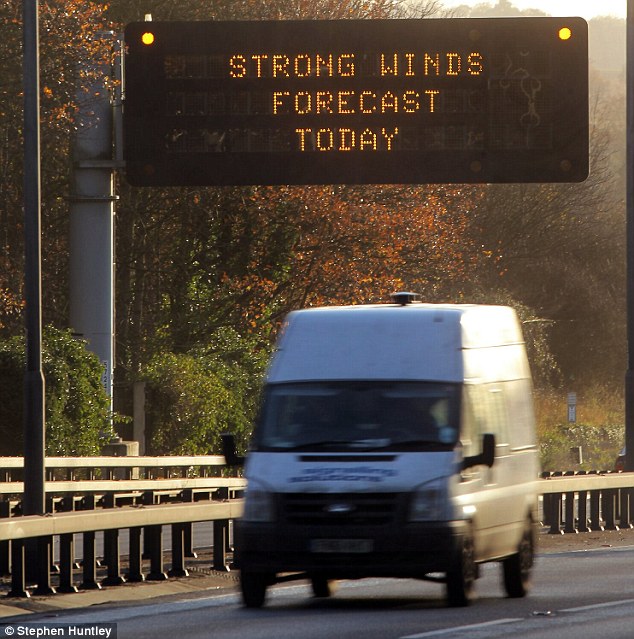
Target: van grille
x=373, y=509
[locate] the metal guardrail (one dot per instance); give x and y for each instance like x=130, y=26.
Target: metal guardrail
x=105, y=467
x=572, y=502
x=18, y=532
x=129, y=479
x=582, y=502
x=130, y=485
x=134, y=502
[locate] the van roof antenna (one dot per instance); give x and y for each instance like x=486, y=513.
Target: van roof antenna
x=404, y=297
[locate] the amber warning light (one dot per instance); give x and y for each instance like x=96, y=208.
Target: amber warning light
x=147, y=38
x=565, y=33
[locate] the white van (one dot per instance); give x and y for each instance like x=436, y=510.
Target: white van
x=394, y=440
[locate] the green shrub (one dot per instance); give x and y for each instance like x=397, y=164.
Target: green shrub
x=192, y=398
x=184, y=405
x=77, y=408
x=600, y=429
x=599, y=445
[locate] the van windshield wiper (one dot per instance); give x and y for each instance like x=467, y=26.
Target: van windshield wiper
x=412, y=444
x=368, y=445
x=371, y=444
x=327, y=443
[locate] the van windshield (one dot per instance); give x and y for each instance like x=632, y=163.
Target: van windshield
x=348, y=416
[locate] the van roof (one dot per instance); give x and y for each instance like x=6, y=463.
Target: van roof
x=389, y=341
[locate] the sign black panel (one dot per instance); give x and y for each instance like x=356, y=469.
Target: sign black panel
x=356, y=101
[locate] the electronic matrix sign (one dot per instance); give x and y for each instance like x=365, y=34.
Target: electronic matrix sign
x=356, y=101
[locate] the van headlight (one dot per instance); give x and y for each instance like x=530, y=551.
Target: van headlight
x=430, y=502
x=259, y=504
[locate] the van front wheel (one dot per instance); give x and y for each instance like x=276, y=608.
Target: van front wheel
x=461, y=575
x=517, y=568
x=253, y=586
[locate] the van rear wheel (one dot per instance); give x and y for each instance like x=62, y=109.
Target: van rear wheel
x=517, y=568
x=322, y=587
x=462, y=574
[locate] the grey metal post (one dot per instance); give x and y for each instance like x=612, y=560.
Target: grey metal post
x=92, y=223
x=34, y=432
x=138, y=412
x=629, y=377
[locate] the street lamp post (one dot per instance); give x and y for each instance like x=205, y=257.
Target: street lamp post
x=34, y=500
x=629, y=377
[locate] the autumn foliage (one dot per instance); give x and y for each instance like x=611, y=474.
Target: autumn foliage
x=357, y=245
x=70, y=43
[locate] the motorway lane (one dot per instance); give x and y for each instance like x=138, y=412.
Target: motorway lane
x=576, y=594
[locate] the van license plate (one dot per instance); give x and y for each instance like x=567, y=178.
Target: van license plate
x=341, y=545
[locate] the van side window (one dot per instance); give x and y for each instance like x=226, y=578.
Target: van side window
x=468, y=430
x=484, y=411
x=518, y=394
x=475, y=419
x=498, y=421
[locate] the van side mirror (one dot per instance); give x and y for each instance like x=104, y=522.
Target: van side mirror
x=486, y=457
x=229, y=450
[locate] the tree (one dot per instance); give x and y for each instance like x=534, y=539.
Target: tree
x=194, y=397
x=357, y=244
x=560, y=250
x=9, y=306
x=78, y=419
x=77, y=410
x=68, y=31
x=125, y=11
x=501, y=9
x=243, y=258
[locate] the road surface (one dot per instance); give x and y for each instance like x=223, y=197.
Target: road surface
x=580, y=594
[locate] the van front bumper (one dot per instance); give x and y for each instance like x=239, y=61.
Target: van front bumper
x=408, y=550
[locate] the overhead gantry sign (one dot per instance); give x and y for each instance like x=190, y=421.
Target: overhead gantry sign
x=356, y=101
